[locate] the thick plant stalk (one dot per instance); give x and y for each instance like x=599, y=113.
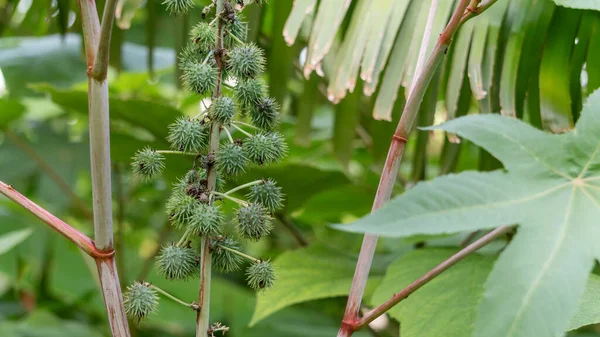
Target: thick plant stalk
x=79, y=239
x=396, y=150
x=97, y=45
x=203, y=315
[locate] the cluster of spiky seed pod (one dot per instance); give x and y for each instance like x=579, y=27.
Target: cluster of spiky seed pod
x=193, y=207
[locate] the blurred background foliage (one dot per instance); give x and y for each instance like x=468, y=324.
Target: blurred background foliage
x=527, y=58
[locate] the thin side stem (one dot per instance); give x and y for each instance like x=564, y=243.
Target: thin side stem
x=203, y=316
x=253, y=259
x=235, y=37
x=236, y=200
x=430, y=275
x=184, y=237
x=392, y=163
x=228, y=135
x=176, y=152
x=242, y=130
x=81, y=240
x=241, y=187
x=175, y=299
x=246, y=124
x=208, y=56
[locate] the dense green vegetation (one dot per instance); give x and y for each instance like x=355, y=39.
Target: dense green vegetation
x=338, y=75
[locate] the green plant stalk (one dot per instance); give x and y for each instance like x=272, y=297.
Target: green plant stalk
x=246, y=124
x=228, y=135
x=175, y=299
x=392, y=163
x=241, y=187
x=203, y=316
x=226, y=196
x=176, y=152
x=242, y=130
x=246, y=256
x=97, y=47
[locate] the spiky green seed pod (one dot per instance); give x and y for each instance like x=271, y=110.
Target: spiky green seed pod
x=207, y=220
x=231, y=160
x=188, y=135
x=192, y=177
x=224, y=260
x=265, y=113
x=238, y=27
x=204, y=36
x=190, y=55
x=140, y=300
x=246, y=61
x=267, y=194
x=177, y=263
x=148, y=164
x=260, y=275
x=178, y=7
x=248, y=92
x=265, y=148
x=253, y=221
x=180, y=208
x=200, y=78
x=222, y=110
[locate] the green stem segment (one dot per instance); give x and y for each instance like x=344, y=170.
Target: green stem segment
x=176, y=152
x=228, y=135
x=241, y=187
x=235, y=37
x=184, y=237
x=203, y=316
x=246, y=124
x=236, y=200
x=175, y=299
x=242, y=130
x=253, y=259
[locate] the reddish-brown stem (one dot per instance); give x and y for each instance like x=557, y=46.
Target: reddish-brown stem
x=430, y=275
x=111, y=292
x=395, y=153
x=81, y=240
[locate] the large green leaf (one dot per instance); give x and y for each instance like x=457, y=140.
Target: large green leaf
x=551, y=189
x=589, y=310
x=447, y=306
x=307, y=274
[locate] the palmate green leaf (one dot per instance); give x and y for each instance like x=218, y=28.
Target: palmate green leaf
x=307, y=274
x=551, y=189
x=447, y=306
